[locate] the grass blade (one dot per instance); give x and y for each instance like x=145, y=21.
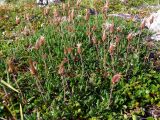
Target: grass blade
x=21, y=112
x=9, y=86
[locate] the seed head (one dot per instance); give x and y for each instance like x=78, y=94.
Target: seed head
x=69, y=50
x=57, y=20
x=61, y=69
x=88, y=33
x=130, y=37
x=87, y=16
x=46, y=11
x=107, y=26
x=106, y=6
x=94, y=28
x=27, y=16
x=70, y=29
x=72, y=14
x=116, y=78
x=119, y=29
x=63, y=6
x=117, y=39
x=94, y=40
x=32, y=67
x=26, y=31
x=104, y=36
x=44, y=56
x=65, y=51
x=40, y=42
x=17, y=20
x=79, y=48
x=65, y=60
x=78, y=3
x=107, y=3
x=56, y=13
x=150, y=44
x=68, y=5
x=111, y=49
x=11, y=67
x=111, y=28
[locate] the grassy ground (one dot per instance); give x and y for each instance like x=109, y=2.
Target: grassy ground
x=52, y=68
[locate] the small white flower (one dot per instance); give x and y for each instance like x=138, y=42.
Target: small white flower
x=107, y=25
x=79, y=45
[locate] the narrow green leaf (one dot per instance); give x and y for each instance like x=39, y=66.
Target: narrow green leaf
x=9, y=86
x=21, y=112
x=134, y=117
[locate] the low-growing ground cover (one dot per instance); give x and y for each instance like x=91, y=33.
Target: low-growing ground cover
x=61, y=62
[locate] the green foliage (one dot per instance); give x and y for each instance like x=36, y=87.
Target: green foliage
x=83, y=90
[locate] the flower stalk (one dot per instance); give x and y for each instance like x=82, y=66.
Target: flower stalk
x=115, y=79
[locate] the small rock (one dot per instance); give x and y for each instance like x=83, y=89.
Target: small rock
x=126, y=16
x=124, y=1
x=46, y=2
x=153, y=21
x=156, y=36
x=2, y=2
x=153, y=24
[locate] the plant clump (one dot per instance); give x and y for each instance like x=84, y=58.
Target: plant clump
x=63, y=62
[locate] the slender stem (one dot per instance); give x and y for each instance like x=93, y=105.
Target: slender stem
x=127, y=50
x=98, y=56
x=128, y=65
x=138, y=46
x=64, y=88
x=18, y=87
x=110, y=96
x=112, y=60
x=82, y=64
x=104, y=58
x=39, y=86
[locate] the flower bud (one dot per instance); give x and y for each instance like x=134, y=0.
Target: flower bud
x=111, y=28
x=69, y=50
x=79, y=48
x=17, y=20
x=55, y=13
x=32, y=67
x=87, y=16
x=39, y=42
x=11, y=67
x=116, y=78
x=104, y=36
x=63, y=6
x=111, y=49
x=130, y=37
x=78, y=3
x=117, y=39
x=94, y=40
x=46, y=11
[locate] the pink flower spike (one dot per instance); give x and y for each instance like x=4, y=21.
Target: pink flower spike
x=111, y=49
x=116, y=78
x=79, y=48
